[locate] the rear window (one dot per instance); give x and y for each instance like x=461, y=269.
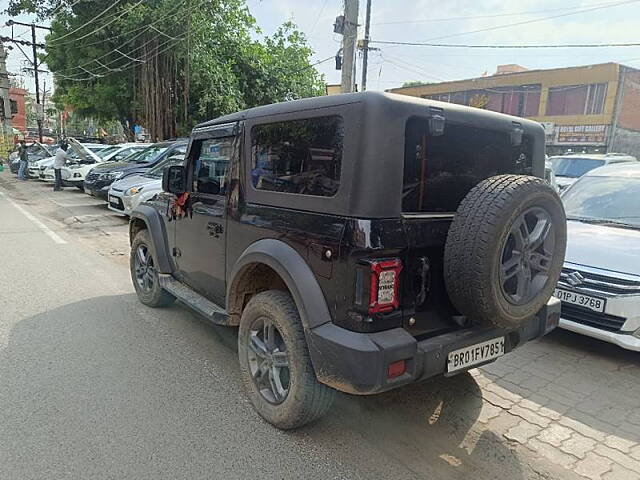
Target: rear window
x=574, y=167
x=298, y=156
x=440, y=170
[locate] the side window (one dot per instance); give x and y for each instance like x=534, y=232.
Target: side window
x=298, y=156
x=210, y=165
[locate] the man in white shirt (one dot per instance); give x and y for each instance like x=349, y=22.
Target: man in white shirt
x=58, y=163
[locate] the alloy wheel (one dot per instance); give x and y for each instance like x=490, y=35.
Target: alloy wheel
x=526, y=256
x=144, y=268
x=268, y=361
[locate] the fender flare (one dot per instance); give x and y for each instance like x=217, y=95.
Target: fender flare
x=151, y=217
x=296, y=274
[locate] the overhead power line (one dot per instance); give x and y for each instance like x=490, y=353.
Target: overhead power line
x=459, y=45
x=495, y=15
x=102, y=27
x=87, y=23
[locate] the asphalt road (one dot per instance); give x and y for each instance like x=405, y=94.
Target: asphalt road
x=95, y=385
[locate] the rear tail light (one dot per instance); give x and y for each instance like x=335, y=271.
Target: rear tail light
x=385, y=281
x=396, y=369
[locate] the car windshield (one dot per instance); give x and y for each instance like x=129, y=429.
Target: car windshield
x=156, y=172
x=574, y=167
x=105, y=152
x=604, y=200
x=148, y=154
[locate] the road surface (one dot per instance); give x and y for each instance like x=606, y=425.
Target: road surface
x=95, y=385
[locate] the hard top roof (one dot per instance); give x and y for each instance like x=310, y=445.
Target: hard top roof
x=371, y=98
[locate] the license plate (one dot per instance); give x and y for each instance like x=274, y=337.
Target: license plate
x=587, y=301
x=114, y=200
x=475, y=354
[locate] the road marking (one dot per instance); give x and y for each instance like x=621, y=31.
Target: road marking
x=50, y=233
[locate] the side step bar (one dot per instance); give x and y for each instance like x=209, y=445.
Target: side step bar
x=200, y=304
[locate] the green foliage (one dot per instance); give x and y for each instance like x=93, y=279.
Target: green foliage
x=209, y=45
x=415, y=83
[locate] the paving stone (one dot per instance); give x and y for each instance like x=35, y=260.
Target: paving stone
x=504, y=393
x=618, y=443
x=498, y=369
x=549, y=413
x=578, y=445
x=620, y=458
x=503, y=422
x=635, y=453
x=561, y=395
x=580, y=427
x=528, y=404
x=551, y=453
x=619, y=473
x=496, y=399
x=593, y=466
x=555, y=435
x=522, y=432
x=515, y=389
x=529, y=416
x=488, y=412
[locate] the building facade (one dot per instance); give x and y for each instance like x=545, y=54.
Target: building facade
x=18, y=108
x=593, y=108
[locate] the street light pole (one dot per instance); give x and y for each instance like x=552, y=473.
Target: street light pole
x=365, y=46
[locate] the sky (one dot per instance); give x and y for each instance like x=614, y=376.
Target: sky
x=448, y=21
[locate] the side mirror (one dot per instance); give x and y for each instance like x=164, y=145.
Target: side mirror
x=173, y=179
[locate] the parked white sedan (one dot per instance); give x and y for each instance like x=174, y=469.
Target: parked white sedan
x=600, y=282
x=128, y=193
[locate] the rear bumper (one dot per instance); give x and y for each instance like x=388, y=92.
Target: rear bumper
x=622, y=339
x=357, y=363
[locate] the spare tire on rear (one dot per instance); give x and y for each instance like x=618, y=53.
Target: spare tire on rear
x=505, y=249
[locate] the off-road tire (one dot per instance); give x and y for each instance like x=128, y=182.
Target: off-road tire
x=307, y=399
x=156, y=296
x=473, y=250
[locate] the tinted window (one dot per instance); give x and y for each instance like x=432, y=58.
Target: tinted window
x=604, y=198
x=211, y=165
x=440, y=170
x=574, y=167
x=298, y=156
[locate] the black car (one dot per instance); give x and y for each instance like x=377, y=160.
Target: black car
x=99, y=179
x=360, y=242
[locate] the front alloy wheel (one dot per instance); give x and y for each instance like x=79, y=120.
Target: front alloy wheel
x=144, y=268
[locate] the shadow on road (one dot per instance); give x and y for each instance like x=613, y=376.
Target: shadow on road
x=107, y=384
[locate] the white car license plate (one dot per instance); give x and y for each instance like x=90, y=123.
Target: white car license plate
x=478, y=353
x=593, y=303
x=114, y=200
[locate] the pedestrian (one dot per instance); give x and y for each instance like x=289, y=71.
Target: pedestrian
x=24, y=160
x=58, y=163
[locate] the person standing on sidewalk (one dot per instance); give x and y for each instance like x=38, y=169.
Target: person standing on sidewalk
x=24, y=160
x=58, y=163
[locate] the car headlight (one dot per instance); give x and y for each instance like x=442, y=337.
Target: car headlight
x=133, y=191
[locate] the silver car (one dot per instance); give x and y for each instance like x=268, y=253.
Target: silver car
x=568, y=168
x=600, y=283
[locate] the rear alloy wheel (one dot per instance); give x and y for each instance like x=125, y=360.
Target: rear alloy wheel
x=275, y=365
x=144, y=273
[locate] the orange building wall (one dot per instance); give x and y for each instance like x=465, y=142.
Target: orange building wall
x=19, y=120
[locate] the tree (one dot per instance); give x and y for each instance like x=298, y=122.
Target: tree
x=415, y=83
x=168, y=64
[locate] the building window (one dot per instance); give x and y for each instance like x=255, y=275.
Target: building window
x=14, y=107
x=298, y=156
x=577, y=99
x=520, y=100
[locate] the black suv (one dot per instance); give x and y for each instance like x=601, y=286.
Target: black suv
x=99, y=179
x=360, y=242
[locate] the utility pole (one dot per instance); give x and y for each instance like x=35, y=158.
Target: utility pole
x=5, y=114
x=34, y=46
x=349, y=39
x=365, y=46
x=35, y=75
